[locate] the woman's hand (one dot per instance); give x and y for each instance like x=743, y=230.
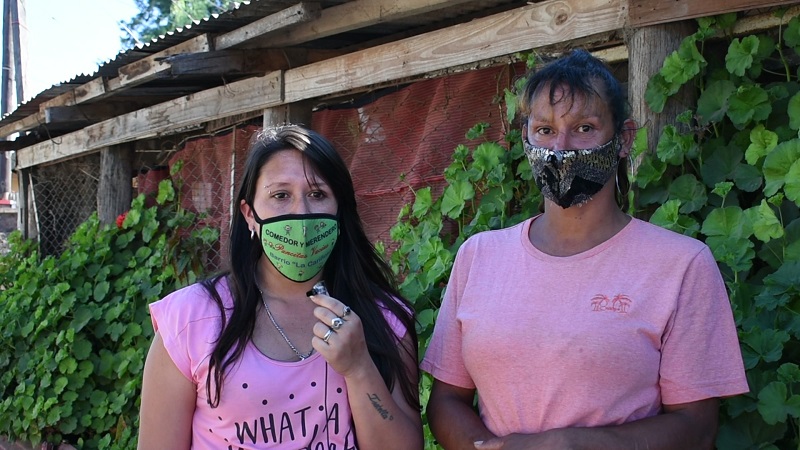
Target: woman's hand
x=339, y=336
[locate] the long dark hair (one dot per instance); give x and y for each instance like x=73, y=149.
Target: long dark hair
x=577, y=72
x=355, y=273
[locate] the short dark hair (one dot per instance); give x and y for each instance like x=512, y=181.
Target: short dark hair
x=577, y=71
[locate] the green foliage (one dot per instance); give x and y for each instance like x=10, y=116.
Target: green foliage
x=157, y=17
x=743, y=195
x=75, y=328
x=487, y=187
x=727, y=172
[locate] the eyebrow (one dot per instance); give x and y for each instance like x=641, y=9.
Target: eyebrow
x=316, y=182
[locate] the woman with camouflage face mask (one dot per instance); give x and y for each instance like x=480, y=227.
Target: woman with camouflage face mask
x=304, y=342
x=582, y=327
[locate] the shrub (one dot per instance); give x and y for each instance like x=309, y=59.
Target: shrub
x=76, y=329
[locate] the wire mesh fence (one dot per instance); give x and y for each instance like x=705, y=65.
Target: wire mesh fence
x=210, y=169
x=65, y=195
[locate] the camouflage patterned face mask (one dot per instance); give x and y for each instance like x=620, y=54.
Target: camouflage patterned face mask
x=572, y=177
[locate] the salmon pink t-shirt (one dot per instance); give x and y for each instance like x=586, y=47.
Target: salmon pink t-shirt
x=599, y=338
x=264, y=403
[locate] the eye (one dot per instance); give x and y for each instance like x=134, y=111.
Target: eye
x=544, y=130
x=280, y=195
x=317, y=194
x=585, y=128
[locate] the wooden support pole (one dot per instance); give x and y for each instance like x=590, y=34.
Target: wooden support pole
x=648, y=47
x=115, y=190
x=298, y=113
x=25, y=205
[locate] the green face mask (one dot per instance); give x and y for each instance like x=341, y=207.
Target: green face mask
x=298, y=245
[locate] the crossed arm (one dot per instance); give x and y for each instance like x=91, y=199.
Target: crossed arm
x=456, y=425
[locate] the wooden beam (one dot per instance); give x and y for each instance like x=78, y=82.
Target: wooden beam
x=24, y=124
x=761, y=22
x=356, y=14
x=132, y=74
x=211, y=63
x=299, y=13
x=244, y=62
x=533, y=26
x=88, y=113
x=86, y=92
x=653, y=12
x=153, y=66
x=352, y=16
x=234, y=98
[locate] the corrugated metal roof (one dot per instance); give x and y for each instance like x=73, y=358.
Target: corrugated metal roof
x=242, y=13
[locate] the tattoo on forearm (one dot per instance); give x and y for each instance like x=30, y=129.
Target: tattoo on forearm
x=376, y=402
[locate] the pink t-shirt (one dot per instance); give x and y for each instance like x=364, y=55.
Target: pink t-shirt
x=603, y=337
x=264, y=403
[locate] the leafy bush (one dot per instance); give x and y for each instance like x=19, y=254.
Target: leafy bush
x=727, y=172
x=75, y=328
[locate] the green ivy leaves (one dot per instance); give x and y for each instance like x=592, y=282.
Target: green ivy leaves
x=741, y=55
x=777, y=165
x=76, y=326
x=680, y=66
x=746, y=132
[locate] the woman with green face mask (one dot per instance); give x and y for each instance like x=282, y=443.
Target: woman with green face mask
x=305, y=342
x=581, y=327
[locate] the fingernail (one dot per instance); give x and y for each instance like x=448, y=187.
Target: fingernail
x=318, y=288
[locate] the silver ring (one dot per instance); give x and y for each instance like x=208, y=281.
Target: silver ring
x=337, y=323
x=346, y=311
x=327, y=336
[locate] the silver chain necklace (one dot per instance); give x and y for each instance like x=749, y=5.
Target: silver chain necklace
x=302, y=356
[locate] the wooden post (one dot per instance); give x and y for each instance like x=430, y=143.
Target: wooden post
x=297, y=113
x=115, y=190
x=26, y=221
x=648, y=47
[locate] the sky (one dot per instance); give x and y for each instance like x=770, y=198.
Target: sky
x=66, y=38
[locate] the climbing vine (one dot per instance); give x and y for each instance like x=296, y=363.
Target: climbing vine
x=75, y=328
x=726, y=172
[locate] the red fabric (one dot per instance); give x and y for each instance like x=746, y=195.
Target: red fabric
x=394, y=145
x=404, y=140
